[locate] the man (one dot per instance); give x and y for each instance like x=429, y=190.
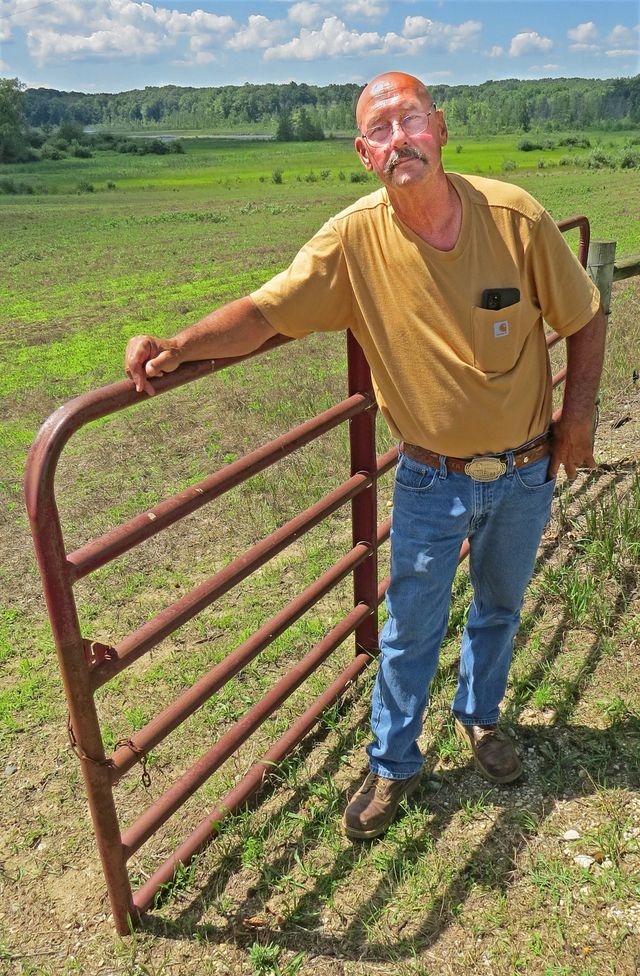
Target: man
x=444, y=280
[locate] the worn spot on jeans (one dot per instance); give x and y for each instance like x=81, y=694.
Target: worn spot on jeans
x=457, y=508
x=423, y=559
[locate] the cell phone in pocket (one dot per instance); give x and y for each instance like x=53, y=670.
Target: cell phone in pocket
x=495, y=298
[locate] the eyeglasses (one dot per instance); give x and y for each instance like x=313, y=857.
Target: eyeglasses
x=411, y=125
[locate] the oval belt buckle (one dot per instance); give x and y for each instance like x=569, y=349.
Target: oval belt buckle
x=485, y=468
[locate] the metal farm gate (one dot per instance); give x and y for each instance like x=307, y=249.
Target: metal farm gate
x=86, y=665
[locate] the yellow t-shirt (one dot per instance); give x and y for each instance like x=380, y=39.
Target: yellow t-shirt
x=450, y=376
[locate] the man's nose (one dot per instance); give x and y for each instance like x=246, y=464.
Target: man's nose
x=398, y=135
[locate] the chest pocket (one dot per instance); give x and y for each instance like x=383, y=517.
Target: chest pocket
x=498, y=337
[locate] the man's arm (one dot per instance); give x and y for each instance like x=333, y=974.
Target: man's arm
x=232, y=330
x=572, y=443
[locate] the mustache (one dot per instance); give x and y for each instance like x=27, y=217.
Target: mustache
x=407, y=152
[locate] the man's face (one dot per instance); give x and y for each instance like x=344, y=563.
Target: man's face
x=405, y=159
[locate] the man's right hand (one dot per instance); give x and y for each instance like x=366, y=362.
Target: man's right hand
x=146, y=356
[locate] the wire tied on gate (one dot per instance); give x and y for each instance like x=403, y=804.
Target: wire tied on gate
x=145, y=777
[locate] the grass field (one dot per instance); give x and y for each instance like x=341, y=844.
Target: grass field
x=472, y=878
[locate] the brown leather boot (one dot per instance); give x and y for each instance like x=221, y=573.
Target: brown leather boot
x=494, y=752
x=375, y=804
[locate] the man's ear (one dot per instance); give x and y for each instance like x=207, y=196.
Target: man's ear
x=442, y=128
x=363, y=153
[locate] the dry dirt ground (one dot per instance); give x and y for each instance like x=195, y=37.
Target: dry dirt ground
x=54, y=916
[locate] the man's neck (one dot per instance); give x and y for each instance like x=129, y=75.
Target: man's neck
x=433, y=212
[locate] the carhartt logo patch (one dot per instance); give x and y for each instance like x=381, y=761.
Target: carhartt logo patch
x=501, y=328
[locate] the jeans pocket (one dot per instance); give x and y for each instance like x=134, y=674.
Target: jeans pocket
x=414, y=476
x=534, y=477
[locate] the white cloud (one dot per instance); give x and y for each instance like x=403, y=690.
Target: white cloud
x=305, y=13
x=495, y=52
x=624, y=42
x=529, y=42
x=450, y=37
x=107, y=28
x=368, y=9
x=259, y=32
x=127, y=41
x=333, y=39
x=393, y=43
x=583, y=33
x=5, y=68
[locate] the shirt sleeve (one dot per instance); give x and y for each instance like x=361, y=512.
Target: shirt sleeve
x=314, y=293
x=567, y=297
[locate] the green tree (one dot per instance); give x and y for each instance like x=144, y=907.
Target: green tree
x=14, y=145
x=284, y=132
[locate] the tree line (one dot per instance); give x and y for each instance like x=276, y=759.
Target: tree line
x=33, y=121
x=490, y=108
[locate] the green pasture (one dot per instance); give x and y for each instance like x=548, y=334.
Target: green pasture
x=472, y=874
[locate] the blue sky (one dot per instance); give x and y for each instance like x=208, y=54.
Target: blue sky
x=114, y=45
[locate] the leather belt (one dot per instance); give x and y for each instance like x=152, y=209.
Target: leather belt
x=484, y=467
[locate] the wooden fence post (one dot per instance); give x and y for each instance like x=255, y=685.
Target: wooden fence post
x=602, y=257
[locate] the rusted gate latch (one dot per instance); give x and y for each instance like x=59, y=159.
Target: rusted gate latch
x=96, y=653
x=145, y=777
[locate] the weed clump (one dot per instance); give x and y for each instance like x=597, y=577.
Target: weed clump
x=9, y=186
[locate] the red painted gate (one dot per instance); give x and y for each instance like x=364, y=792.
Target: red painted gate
x=86, y=665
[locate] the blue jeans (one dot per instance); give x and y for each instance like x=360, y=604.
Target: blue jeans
x=434, y=510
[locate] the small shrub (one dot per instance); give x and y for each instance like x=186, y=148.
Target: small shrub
x=341, y=176
x=276, y=176
x=566, y=161
x=541, y=164
x=10, y=187
x=325, y=174
x=528, y=145
x=176, y=146
x=82, y=152
x=508, y=165
x=598, y=159
x=261, y=179
x=110, y=185
x=459, y=148
x=576, y=142
x=629, y=159
x=51, y=152
x=85, y=187
x=359, y=177
x=311, y=177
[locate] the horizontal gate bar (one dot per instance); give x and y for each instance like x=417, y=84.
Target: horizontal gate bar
x=208, y=828
x=119, y=540
x=189, y=701
x=172, y=617
x=173, y=798
x=60, y=426
x=559, y=377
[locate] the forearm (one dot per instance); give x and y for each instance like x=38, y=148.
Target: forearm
x=585, y=357
x=232, y=330
x=572, y=442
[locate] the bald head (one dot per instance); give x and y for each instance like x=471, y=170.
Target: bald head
x=386, y=86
